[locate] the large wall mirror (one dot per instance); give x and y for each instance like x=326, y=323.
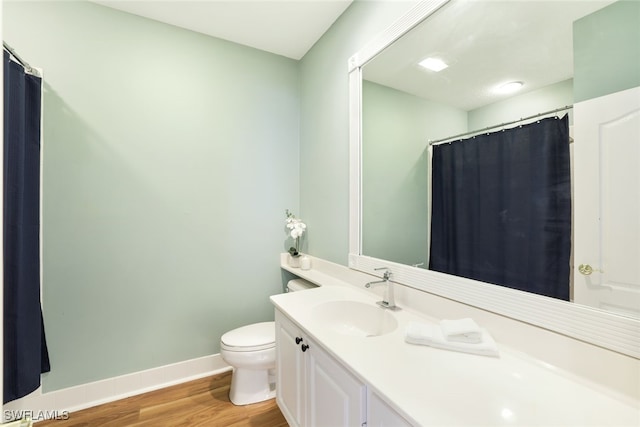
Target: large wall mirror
x=399, y=110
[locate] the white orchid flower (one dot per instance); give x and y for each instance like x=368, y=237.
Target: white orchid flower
x=297, y=229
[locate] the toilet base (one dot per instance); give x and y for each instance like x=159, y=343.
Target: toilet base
x=251, y=386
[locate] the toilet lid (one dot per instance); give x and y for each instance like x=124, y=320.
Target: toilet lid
x=258, y=336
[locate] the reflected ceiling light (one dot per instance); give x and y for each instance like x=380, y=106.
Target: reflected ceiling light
x=509, y=87
x=433, y=64
x=506, y=413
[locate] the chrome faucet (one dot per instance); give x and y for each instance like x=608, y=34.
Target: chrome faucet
x=388, y=300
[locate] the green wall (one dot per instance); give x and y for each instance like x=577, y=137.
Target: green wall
x=607, y=50
x=396, y=128
x=324, y=137
x=169, y=160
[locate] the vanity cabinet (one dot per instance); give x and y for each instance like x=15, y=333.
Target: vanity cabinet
x=312, y=388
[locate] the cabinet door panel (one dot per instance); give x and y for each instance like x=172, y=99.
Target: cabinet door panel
x=379, y=414
x=290, y=372
x=335, y=397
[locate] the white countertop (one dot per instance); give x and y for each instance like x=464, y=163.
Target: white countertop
x=437, y=387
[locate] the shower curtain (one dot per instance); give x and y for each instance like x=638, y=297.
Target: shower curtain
x=501, y=208
x=25, y=349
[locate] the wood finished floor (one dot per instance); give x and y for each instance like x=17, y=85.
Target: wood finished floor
x=203, y=402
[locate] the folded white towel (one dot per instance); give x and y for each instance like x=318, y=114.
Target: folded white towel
x=431, y=335
x=461, y=330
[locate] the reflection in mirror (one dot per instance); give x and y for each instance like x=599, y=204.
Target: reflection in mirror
x=484, y=45
x=501, y=208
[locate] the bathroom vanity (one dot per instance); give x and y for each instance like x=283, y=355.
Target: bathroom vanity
x=342, y=361
x=316, y=389
x=313, y=386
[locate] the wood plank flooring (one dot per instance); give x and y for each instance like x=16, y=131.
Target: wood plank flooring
x=199, y=403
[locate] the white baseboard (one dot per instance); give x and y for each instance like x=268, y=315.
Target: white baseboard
x=60, y=403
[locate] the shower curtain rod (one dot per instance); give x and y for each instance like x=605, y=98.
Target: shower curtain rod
x=28, y=68
x=440, y=141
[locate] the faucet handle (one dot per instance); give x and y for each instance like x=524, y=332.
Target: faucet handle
x=387, y=274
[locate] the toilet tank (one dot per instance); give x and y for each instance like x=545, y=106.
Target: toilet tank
x=299, y=285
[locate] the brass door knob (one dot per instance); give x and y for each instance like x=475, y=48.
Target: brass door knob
x=585, y=269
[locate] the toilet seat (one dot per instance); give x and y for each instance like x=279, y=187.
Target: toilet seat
x=255, y=337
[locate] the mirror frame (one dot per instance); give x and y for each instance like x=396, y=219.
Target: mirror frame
x=595, y=326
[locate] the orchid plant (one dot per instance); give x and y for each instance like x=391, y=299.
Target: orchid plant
x=296, y=229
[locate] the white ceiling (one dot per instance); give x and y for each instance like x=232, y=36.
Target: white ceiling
x=485, y=43
x=284, y=27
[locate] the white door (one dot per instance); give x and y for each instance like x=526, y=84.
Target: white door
x=607, y=202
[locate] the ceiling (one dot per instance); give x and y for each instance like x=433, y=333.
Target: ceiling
x=485, y=43
x=288, y=28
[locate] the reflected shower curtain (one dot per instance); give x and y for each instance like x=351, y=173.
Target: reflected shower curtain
x=25, y=349
x=501, y=208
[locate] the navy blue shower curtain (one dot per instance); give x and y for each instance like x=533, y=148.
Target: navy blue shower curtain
x=25, y=349
x=501, y=208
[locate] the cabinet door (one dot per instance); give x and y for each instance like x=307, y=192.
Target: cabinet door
x=334, y=397
x=380, y=414
x=290, y=372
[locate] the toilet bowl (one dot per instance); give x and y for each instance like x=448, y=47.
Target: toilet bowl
x=251, y=351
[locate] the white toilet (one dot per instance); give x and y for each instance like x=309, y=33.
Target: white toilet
x=251, y=351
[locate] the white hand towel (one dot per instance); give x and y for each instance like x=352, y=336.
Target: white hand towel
x=431, y=335
x=461, y=330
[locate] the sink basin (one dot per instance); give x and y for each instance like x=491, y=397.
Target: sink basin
x=355, y=318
